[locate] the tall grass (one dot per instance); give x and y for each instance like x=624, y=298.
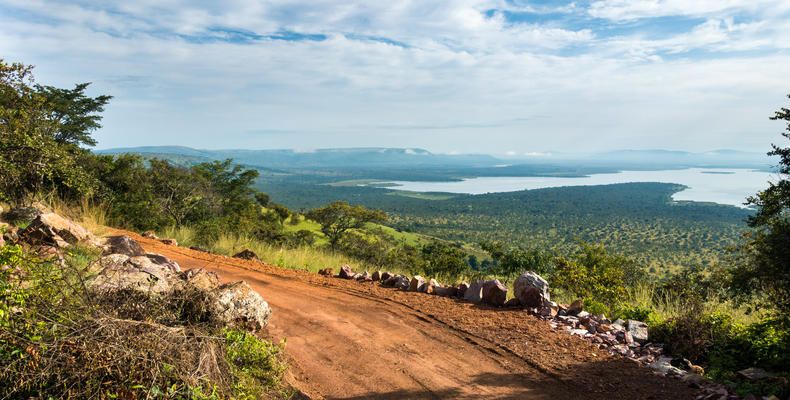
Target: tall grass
x=300, y=258
x=92, y=216
x=665, y=306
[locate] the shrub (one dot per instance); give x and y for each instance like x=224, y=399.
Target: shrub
x=636, y=312
x=60, y=340
x=593, y=274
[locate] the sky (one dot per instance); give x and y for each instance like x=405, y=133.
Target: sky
x=498, y=77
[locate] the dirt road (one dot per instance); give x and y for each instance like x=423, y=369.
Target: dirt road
x=349, y=340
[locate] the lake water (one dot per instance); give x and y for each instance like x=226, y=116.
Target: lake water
x=724, y=186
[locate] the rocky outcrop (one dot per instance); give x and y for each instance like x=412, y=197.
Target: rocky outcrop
x=122, y=245
x=246, y=254
x=494, y=293
x=50, y=229
x=531, y=290
x=121, y=272
x=201, y=279
x=239, y=305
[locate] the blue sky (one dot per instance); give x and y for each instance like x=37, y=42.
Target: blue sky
x=500, y=77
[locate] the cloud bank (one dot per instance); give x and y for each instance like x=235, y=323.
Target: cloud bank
x=450, y=76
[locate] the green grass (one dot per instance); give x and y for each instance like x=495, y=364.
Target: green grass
x=300, y=258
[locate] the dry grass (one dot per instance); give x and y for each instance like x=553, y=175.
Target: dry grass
x=67, y=341
x=300, y=258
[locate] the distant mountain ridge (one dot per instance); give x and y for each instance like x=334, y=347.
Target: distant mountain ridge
x=323, y=158
x=387, y=157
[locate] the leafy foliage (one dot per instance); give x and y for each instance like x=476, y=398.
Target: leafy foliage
x=765, y=265
x=65, y=341
x=592, y=273
x=41, y=129
x=339, y=217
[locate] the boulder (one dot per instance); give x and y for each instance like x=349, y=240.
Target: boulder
x=400, y=282
x=638, y=330
x=50, y=229
x=512, y=303
x=450, y=291
x=396, y=281
x=239, y=305
x=461, y=289
x=346, y=272
x=326, y=272
x=155, y=261
x=150, y=235
x=549, y=310
x=139, y=276
x=111, y=259
x=431, y=286
x=123, y=245
x=494, y=293
x=474, y=294
x=576, y=307
x=201, y=279
x=417, y=284
x=169, y=242
x=531, y=289
x=246, y=254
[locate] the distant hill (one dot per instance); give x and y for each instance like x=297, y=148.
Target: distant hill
x=474, y=164
x=324, y=158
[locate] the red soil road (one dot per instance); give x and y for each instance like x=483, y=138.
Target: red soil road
x=349, y=340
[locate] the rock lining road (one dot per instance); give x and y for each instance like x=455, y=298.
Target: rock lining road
x=349, y=340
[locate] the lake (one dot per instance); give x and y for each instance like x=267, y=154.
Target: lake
x=724, y=186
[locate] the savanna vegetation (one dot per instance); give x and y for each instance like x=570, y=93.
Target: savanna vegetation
x=723, y=310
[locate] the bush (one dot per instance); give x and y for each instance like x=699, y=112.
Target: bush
x=60, y=340
x=635, y=312
x=594, y=274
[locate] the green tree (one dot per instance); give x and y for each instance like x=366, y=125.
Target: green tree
x=74, y=114
x=339, y=217
x=41, y=129
x=510, y=262
x=232, y=184
x=765, y=263
x=443, y=261
x=262, y=199
x=177, y=191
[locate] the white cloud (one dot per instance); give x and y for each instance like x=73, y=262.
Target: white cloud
x=624, y=10
x=553, y=86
